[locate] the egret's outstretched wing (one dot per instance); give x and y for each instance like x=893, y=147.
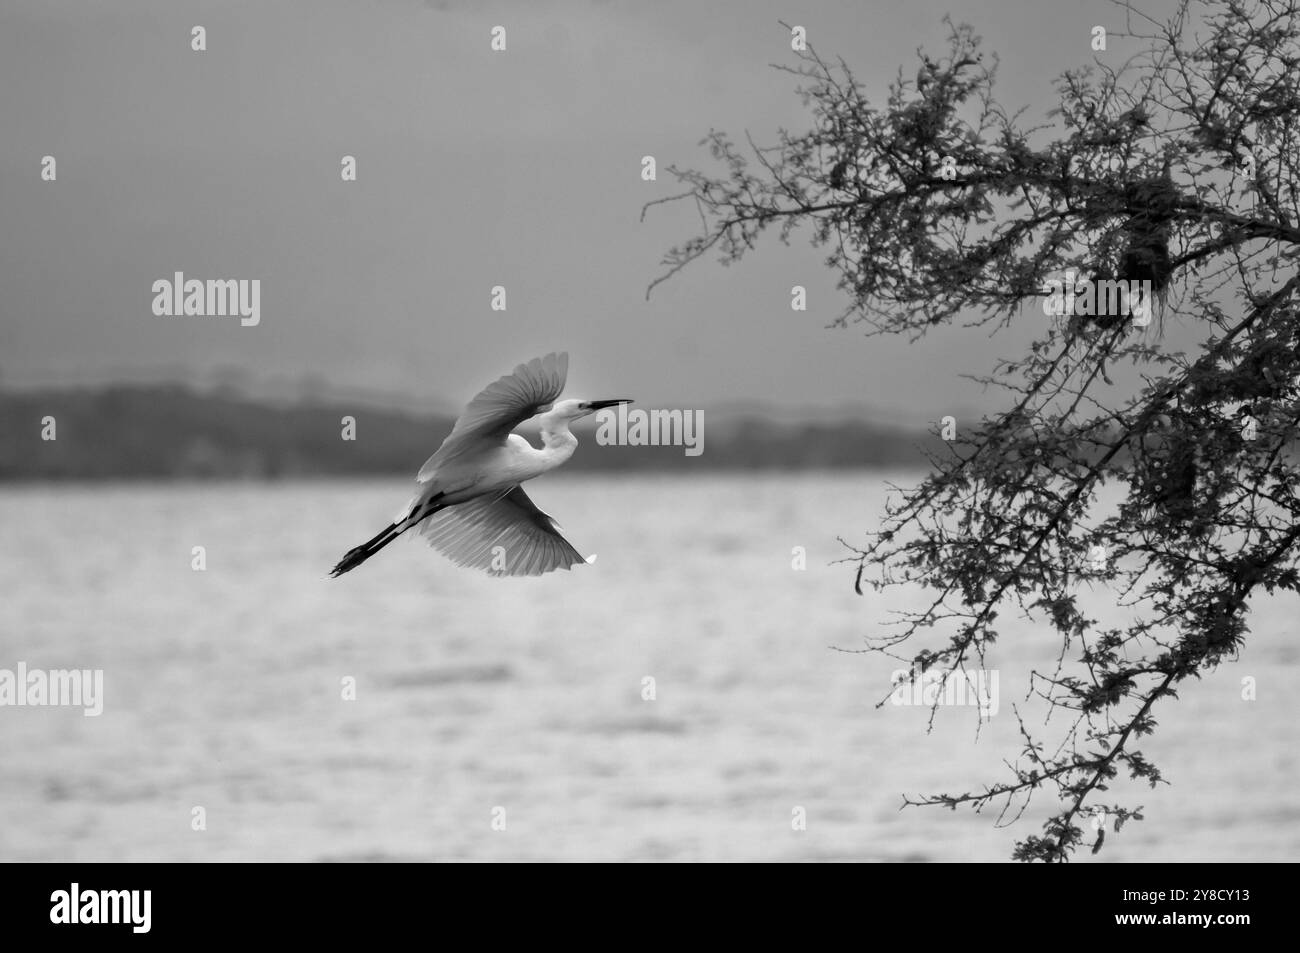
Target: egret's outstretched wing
x=469, y=534
x=502, y=406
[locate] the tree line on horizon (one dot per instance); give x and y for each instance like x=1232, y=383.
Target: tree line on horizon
x=176, y=432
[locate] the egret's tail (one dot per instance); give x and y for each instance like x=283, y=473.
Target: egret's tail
x=359, y=554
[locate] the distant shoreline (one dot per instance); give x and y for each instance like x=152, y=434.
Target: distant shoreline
x=172, y=432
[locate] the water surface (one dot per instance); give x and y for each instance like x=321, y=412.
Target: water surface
x=223, y=689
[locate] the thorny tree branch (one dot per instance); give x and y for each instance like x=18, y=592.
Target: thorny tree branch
x=1178, y=167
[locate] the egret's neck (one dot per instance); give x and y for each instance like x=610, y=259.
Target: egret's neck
x=558, y=442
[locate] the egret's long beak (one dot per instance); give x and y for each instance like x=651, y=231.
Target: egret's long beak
x=602, y=404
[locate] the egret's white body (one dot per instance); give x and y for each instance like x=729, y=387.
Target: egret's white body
x=471, y=505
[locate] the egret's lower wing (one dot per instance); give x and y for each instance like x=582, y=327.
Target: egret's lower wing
x=504, y=535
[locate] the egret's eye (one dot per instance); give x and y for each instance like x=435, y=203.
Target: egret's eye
x=585, y=405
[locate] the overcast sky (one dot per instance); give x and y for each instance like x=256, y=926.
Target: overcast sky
x=474, y=169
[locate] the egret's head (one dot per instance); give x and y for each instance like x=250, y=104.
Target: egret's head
x=577, y=409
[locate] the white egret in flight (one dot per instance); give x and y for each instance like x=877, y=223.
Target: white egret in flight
x=471, y=504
